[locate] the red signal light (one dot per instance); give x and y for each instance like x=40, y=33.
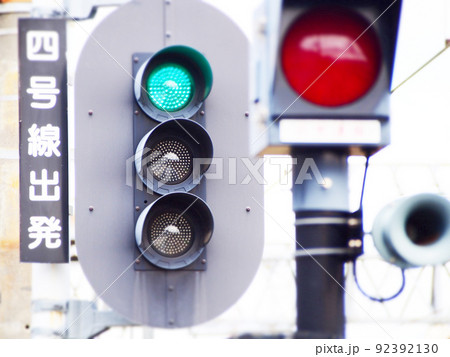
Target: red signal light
x=331, y=56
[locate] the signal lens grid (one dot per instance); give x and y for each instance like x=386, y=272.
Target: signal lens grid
x=171, y=234
x=170, y=161
x=170, y=87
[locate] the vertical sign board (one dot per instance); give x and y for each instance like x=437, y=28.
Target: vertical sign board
x=43, y=141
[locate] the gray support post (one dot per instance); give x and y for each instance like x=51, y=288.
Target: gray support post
x=323, y=221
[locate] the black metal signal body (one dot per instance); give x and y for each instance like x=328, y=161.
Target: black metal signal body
x=171, y=231
x=331, y=79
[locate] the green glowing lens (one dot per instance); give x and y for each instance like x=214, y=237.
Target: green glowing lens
x=170, y=87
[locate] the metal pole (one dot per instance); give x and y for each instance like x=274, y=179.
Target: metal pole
x=323, y=230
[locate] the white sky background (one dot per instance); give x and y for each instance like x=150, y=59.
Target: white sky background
x=420, y=108
x=420, y=129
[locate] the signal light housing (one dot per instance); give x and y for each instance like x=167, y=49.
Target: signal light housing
x=172, y=232
x=108, y=210
x=323, y=72
x=165, y=156
x=173, y=83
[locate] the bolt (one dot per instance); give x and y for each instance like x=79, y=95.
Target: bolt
x=136, y=112
x=203, y=261
x=90, y=112
x=327, y=184
x=171, y=321
x=91, y=208
x=262, y=25
x=202, y=112
x=247, y=114
x=168, y=34
x=138, y=261
x=137, y=208
x=355, y=243
x=168, y=2
x=170, y=287
x=248, y=209
x=136, y=59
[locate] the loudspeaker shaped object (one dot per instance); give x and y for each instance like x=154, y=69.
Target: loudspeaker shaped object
x=414, y=231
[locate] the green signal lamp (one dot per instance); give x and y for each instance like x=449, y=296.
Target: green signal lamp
x=170, y=87
x=173, y=83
